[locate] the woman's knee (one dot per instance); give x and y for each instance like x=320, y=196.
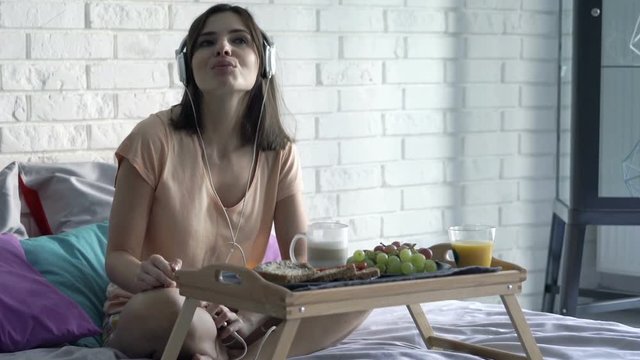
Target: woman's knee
x=149, y=318
x=156, y=303
x=320, y=332
x=155, y=310
x=146, y=321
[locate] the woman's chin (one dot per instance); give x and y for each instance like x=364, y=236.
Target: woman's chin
x=224, y=85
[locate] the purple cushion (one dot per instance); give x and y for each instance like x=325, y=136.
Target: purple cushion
x=273, y=250
x=34, y=313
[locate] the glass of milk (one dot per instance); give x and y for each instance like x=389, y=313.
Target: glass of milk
x=327, y=244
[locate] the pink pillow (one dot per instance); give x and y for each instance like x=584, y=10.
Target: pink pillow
x=34, y=313
x=273, y=250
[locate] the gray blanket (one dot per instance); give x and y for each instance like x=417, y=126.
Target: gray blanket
x=389, y=333
x=65, y=353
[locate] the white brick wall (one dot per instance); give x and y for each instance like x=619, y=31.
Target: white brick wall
x=13, y=108
x=349, y=125
x=414, y=71
x=71, y=106
x=47, y=75
x=415, y=122
x=154, y=45
x=401, y=173
x=410, y=115
x=128, y=75
x=292, y=73
x=370, y=98
x=28, y=138
x=372, y=46
x=107, y=15
x=349, y=177
x=36, y=14
x=71, y=45
x=14, y=45
x=345, y=18
x=416, y=20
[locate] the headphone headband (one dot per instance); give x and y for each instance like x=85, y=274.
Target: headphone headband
x=268, y=68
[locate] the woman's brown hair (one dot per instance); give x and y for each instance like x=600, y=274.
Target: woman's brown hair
x=272, y=135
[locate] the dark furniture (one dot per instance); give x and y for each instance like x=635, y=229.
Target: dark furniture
x=605, y=69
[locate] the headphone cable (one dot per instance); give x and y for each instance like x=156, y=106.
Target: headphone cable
x=234, y=236
x=233, y=243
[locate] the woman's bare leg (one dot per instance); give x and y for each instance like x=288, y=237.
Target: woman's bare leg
x=146, y=323
x=314, y=334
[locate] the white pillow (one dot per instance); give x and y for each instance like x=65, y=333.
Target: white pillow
x=10, y=202
x=70, y=194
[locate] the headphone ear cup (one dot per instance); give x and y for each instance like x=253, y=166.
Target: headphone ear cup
x=269, y=68
x=182, y=68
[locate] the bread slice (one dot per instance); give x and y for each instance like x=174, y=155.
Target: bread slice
x=364, y=274
x=285, y=271
x=338, y=272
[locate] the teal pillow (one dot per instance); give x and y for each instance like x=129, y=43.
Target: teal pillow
x=73, y=262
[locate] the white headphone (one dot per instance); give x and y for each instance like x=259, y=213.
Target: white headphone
x=268, y=70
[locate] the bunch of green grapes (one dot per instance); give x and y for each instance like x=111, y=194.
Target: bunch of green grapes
x=395, y=259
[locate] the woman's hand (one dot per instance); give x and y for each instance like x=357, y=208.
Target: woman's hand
x=157, y=272
x=227, y=321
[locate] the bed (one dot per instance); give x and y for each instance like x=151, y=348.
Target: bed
x=389, y=333
x=64, y=268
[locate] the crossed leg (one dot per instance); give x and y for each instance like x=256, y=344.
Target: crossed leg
x=146, y=322
x=313, y=334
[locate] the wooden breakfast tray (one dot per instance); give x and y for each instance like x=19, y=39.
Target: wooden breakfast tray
x=255, y=294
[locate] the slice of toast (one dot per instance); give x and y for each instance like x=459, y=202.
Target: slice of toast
x=285, y=272
x=338, y=272
x=364, y=274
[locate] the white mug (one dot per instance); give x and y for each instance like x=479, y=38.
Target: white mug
x=327, y=244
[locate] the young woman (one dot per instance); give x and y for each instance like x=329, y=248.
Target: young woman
x=202, y=183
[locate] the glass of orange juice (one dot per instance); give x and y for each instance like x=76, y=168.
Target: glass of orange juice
x=472, y=244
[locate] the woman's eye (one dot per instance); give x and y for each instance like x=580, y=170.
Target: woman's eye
x=240, y=41
x=205, y=43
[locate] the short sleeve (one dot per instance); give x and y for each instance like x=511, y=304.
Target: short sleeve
x=146, y=149
x=290, y=179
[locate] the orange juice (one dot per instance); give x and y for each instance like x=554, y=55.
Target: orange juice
x=473, y=253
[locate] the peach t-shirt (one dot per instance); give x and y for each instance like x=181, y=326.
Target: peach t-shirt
x=185, y=215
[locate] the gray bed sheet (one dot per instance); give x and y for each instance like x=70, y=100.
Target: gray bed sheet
x=65, y=353
x=389, y=333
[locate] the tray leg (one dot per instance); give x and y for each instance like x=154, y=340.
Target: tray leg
x=522, y=328
x=283, y=339
x=179, y=331
x=421, y=321
x=477, y=350
x=433, y=341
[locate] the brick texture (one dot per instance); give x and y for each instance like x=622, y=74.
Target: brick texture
x=409, y=115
